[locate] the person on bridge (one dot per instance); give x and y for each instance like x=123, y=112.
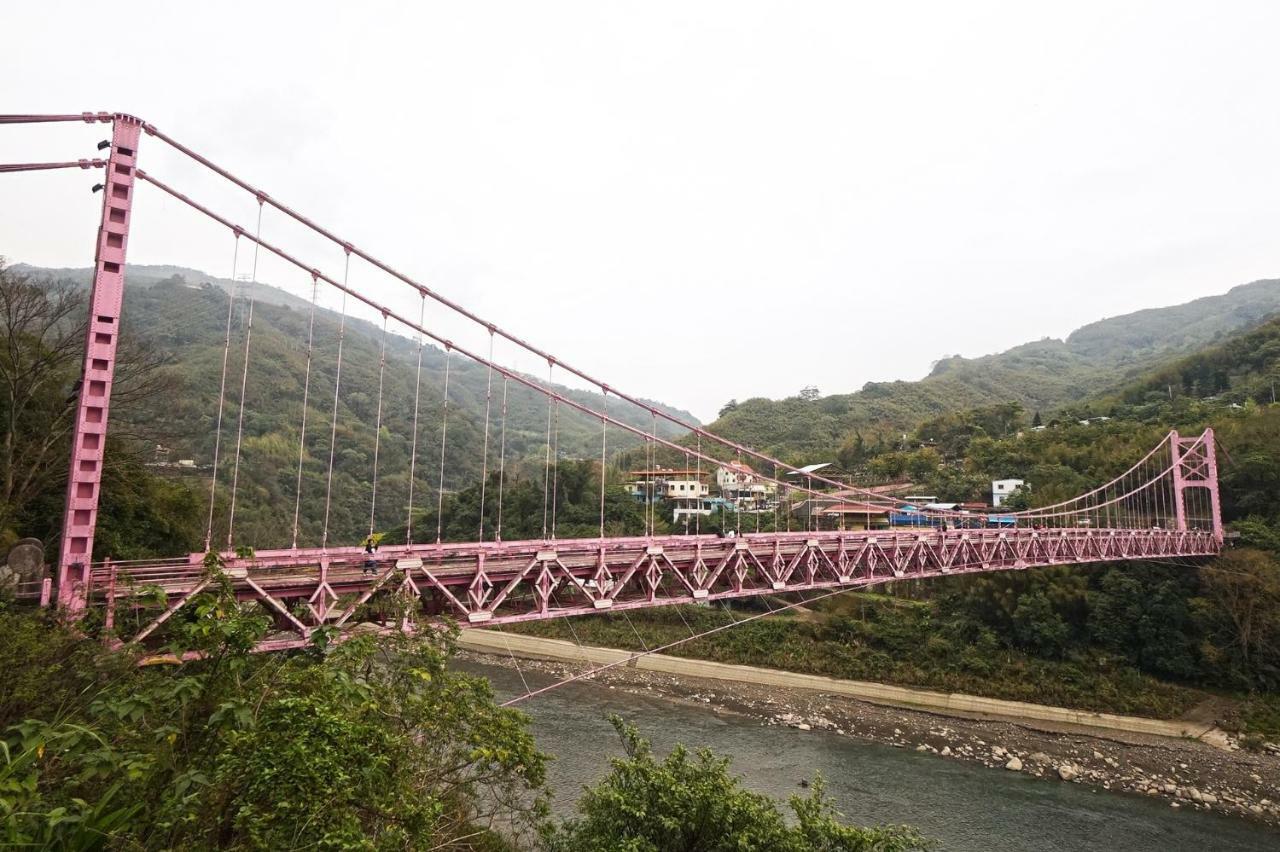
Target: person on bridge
x=370, y=548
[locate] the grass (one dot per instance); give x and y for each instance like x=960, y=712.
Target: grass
x=883, y=639
x=1259, y=715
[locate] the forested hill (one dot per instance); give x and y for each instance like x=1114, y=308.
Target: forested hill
x=181, y=314
x=1243, y=368
x=1043, y=375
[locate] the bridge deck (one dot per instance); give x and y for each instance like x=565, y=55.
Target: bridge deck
x=501, y=582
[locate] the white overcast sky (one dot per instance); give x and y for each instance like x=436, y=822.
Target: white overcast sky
x=696, y=201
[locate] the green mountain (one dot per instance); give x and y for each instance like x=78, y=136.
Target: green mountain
x=1101, y=357
x=1243, y=368
x=180, y=314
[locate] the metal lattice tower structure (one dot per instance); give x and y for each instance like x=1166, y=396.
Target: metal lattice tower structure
x=106, y=297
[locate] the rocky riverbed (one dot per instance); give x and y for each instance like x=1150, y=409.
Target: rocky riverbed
x=1189, y=773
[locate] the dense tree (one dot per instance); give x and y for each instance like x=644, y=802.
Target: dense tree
x=372, y=744
x=1142, y=613
x=43, y=328
x=1240, y=609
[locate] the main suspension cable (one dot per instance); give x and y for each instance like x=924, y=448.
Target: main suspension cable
x=532, y=384
x=450, y=304
x=426, y=291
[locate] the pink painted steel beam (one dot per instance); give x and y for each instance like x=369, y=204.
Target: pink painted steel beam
x=37, y=118
x=1195, y=465
x=106, y=296
x=1179, y=499
x=42, y=167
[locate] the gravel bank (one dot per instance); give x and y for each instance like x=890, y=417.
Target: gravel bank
x=1188, y=773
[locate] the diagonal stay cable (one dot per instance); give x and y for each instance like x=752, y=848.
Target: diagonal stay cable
x=635, y=656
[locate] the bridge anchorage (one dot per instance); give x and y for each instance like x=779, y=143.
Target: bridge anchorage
x=1166, y=505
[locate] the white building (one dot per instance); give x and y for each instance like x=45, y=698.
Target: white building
x=734, y=476
x=1002, y=488
x=678, y=489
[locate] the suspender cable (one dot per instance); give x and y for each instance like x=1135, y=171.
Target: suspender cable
x=377, y=434
x=604, y=441
x=413, y=449
x=737, y=503
x=502, y=460
x=484, y=465
x=222, y=393
x=1160, y=503
x=306, y=394
x=755, y=509
x=697, y=518
x=444, y=438
x=653, y=466
x=244, y=384
x=337, y=386
x=683, y=474
x=244, y=381
x=546, y=472
x=555, y=468
x=648, y=486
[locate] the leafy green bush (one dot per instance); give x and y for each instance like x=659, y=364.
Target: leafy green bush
x=373, y=744
x=690, y=801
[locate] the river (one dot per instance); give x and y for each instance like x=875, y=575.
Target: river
x=960, y=805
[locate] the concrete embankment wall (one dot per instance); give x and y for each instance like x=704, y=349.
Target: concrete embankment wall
x=532, y=647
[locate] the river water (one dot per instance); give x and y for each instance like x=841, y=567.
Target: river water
x=962, y=806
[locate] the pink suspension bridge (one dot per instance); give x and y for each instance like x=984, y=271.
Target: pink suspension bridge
x=1166, y=506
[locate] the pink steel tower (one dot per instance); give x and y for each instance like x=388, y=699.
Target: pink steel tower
x=103, y=333
x=1195, y=465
